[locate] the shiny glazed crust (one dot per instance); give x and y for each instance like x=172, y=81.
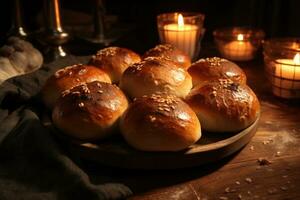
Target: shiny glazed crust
x=114, y=61
x=156, y=75
x=160, y=123
x=170, y=52
x=90, y=111
x=216, y=68
x=69, y=77
x=224, y=106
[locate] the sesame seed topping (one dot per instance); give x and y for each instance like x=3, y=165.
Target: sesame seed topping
x=110, y=51
x=163, y=47
x=225, y=81
x=66, y=71
x=85, y=88
x=152, y=118
x=66, y=92
x=82, y=71
x=81, y=104
x=213, y=61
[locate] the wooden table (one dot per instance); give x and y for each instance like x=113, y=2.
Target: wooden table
x=241, y=176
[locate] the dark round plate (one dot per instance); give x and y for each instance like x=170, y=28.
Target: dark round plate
x=211, y=147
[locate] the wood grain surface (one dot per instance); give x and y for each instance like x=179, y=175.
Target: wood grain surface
x=267, y=168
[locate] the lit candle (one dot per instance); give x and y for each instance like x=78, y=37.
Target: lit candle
x=238, y=50
x=287, y=75
x=282, y=62
x=288, y=68
x=181, y=35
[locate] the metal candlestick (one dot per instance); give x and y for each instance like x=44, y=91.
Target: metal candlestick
x=54, y=34
x=100, y=35
x=17, y=28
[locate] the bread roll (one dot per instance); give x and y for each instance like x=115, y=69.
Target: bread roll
x=224, y=106
x=114, y=61
x=171, y=52
x=89, y=111
x=69, y=77
x=156, y=75
x=160, y=123
x=216, y=68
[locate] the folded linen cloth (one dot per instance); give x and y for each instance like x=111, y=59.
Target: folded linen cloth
x=18, y=57
x=32, y=164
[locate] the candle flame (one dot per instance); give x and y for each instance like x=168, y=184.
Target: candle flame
x=180, y=20
x=240, y=37
x=297, y=59
x=295, y=45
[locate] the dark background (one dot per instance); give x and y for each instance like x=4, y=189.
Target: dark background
x=278, y=18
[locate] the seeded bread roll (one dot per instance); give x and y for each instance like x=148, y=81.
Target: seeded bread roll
x=160, y=123
x=90, y=111
x=216, y=68
x=156, y=75
x=224, y=106
x=69, y=77
x=114, y=61
x=170, y=52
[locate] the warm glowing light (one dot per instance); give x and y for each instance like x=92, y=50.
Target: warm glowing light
x=240, y=37
x=295, y=45
x=297, y=59
x=180, y=20
x=182, y=34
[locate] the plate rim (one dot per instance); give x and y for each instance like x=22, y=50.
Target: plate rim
x=135, y=159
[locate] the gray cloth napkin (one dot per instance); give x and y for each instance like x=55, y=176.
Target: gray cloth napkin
x=32, y=163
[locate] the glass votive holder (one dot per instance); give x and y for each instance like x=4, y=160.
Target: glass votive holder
x=238, y=43
x=282, y=66
x=183, y=30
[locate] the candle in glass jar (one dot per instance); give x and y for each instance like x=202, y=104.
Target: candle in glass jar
x=287, y=76
x=238, y=50
x=288, y=68
x=181, y=35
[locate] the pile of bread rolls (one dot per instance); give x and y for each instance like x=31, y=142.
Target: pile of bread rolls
x=158, y=102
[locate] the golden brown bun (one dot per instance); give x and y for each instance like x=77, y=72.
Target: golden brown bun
x=170, y=52
x=89, y=111
x=69, y=77
x=224, y=106
x=160, y=123
x=156, y=75
x=215, y=68
x=114, y=61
